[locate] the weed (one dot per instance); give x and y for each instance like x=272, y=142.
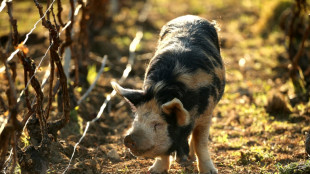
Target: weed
x=295, y=167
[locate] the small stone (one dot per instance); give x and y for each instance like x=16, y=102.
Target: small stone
x=113, y=155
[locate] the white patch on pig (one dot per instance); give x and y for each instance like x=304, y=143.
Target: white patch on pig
x=196, y=80
x=155, y=129
x=220, y=73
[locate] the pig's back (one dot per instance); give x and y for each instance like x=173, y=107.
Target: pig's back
x=187, y=64
x=189, y=31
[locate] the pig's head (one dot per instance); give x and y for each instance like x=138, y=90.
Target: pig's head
x=149, y=135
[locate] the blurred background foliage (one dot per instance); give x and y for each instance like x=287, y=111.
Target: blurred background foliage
x=262, y=121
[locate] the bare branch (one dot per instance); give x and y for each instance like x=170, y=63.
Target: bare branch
x=51, y=80
x=55, y=126
x=59, y=6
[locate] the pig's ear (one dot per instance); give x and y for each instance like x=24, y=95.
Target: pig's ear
x=175, y=106
x=133, y=97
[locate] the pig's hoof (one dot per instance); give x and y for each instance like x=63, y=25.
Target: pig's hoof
x=207, y=168
x=192, y=157
x=184, y=161
x=211, y=171
x=155, y=170
x=158, y=172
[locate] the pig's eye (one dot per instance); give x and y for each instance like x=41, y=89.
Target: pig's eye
x=156, y=126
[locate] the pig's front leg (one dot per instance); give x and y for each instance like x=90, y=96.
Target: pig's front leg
x=200, y=137
x=191, y=155
x=161, y=165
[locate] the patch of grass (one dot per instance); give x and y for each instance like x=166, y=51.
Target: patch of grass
x=92, y=73
x=17, y=169
x=148, y=35
x=51, y=171
x=25, y=139
x=222, y=138
x=76, y=122
x=122, y=42
x=256, y=154
x=124, y=170
x=294, y=168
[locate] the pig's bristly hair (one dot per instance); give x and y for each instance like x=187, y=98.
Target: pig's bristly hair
x=185, y=46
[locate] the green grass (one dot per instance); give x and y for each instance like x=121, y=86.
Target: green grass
x=294, y=168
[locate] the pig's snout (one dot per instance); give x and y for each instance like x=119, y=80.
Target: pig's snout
x=138, y=142
x=130, y=142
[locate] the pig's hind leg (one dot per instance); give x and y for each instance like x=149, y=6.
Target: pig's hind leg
x=161, y=165
x=200, y=143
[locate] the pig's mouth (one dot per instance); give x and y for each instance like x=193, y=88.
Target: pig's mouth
x=141, y=152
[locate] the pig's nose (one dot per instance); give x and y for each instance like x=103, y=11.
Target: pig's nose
x=129, y=142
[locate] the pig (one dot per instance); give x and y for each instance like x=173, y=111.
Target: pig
x=184, y=81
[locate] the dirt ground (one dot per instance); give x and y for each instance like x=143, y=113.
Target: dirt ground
x=246, y=136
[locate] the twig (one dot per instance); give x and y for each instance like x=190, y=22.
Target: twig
x=22, y=92
x=59, y=6
x=83, y=38
x=12, y=66
x=26, y=90
x=57, y=125
x=2, y=104
x=12, y=125
x=5, y=135
x=27, y=116
x=12, y=91
x=14, y=144
x=48, y=12
x=68, y=42
x=5, y=128
x=51, y=80
x=63, y=82
x=30, y=66
x=54, y=18
x=13, y=23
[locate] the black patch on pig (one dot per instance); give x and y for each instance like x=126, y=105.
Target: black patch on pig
x=189, y=99
x=179, y=136
x=204, y=94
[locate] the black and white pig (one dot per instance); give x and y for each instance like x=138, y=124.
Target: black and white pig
x=183, y=83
